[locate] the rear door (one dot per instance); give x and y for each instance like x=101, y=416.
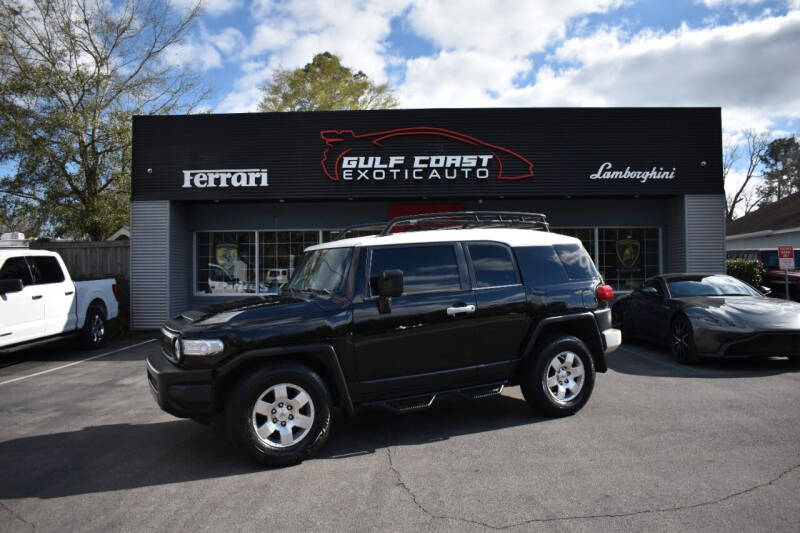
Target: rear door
x=58, y=293
x=427, y=342
x=502, y=320
x=21, y=313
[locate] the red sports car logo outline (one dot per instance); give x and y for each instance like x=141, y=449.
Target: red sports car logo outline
x=331, y=137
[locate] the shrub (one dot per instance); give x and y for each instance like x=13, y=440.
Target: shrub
x=748, y=270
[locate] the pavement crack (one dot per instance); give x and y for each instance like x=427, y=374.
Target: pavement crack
x=707, y=503
x=18, y=517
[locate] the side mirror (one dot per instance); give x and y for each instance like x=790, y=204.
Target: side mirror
x=10, y=285
x=649, y=291
x=766, y=291
x=388, y=283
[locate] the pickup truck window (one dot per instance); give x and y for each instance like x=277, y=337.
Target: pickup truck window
x=425, y=268
x=492, y=265
x=45, y=269
x=16, y=268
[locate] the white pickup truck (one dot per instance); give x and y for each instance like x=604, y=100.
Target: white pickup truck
x=39, y=302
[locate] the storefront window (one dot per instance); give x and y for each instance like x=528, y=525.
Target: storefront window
x=280, y=252
x=628, y=256
x=586, y=236
x=225, y=262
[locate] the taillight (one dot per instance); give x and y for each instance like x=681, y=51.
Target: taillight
x=115, y=290
x=605, y=293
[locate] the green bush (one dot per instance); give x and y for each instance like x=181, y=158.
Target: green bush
x=748, y=270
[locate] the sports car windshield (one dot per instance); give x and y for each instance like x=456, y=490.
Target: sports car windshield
x=709, y=286
x=322, y=271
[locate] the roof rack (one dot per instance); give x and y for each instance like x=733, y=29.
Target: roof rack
x=456, y=220
x=376, y=226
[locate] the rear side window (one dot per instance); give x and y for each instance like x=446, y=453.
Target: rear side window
x=540, y=266
x=16, y=268
x=425, y=268
x=576, y=261
x=493, y=265
x=45, y=269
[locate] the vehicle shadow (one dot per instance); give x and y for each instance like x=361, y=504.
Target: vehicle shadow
x=648, y=359
x=125, y=456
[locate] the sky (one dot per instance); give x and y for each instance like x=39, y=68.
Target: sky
x=740, y=55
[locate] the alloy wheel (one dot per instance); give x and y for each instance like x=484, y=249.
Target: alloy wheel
x=283, y=415
x=97, y=328
x=680, y=339
x=564, y=377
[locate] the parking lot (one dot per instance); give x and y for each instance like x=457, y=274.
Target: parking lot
x=659, y=446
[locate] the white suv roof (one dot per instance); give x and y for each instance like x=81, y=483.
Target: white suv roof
x=511, y=236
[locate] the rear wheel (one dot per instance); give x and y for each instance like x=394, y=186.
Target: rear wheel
x=279, y=415
x=93, y=334
x=559, y=381
x=681, y=341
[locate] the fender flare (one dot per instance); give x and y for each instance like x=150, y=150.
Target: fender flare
x=322, y=354
x=595, y=344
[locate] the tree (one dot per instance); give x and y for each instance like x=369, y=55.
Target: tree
x=72, y=74
x=324, y=85
x=782, y=175
x=756, y=144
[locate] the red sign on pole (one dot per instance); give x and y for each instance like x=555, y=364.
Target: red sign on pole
x=785, y=258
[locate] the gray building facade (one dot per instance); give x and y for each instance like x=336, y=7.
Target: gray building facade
x=223, y=205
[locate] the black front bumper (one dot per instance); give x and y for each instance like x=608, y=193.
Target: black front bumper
x=182, y=393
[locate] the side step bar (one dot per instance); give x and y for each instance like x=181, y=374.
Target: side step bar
x=423, y=401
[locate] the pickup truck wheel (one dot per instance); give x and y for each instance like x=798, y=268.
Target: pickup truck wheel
x=559, y=381
x=280, y=414
x=93, y=334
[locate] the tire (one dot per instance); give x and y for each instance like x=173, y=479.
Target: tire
x=95, y=328
x=545, y=377
x=279, y=387
x=681, y=341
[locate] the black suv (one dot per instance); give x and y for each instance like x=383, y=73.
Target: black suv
x=462, y=302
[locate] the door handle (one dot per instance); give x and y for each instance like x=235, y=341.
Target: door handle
x=69, y=293
x=454, y=311
x=37, y=297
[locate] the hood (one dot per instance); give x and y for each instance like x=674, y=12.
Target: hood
x=239, y=311
x=750, y=311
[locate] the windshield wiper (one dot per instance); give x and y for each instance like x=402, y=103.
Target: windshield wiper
x=326, y=292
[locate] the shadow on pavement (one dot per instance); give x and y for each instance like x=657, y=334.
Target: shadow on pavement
x=125, y=456
x=645, y=359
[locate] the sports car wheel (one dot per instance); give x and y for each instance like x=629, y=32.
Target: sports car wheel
x=681, y=341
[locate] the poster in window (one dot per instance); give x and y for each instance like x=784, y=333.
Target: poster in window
x=227, y=255
x=628, y=256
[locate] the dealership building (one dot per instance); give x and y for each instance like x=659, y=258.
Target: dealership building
x=223, y=205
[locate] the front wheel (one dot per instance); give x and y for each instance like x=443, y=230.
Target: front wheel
x=681, y=341
x=280, y=414
x=559, y=381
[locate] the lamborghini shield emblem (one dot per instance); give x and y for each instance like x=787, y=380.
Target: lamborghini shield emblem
x=628, y=252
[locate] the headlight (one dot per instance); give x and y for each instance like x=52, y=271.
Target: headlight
x=202, y=346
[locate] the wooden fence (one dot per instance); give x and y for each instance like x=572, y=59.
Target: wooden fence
x=93, y=260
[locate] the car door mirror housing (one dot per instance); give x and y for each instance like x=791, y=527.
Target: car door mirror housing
x=650, y=291
x=10, y=285
x=388, y=283
x=766, y=291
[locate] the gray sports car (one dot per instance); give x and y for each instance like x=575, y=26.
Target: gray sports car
x=709, y=315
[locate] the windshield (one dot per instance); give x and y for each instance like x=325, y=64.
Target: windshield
x=322, y=270
x=709, y=286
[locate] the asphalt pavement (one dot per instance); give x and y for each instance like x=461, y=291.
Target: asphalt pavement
x=660, y=447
